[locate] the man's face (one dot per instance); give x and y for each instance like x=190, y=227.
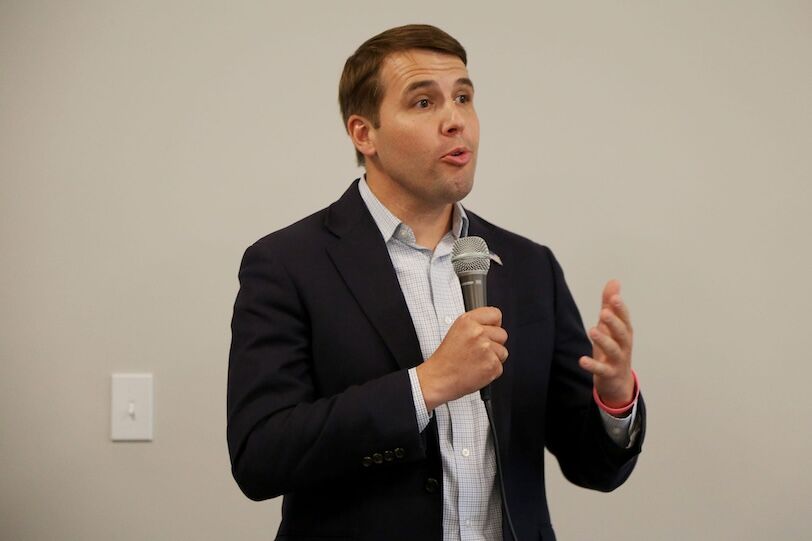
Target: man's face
x=425, y=147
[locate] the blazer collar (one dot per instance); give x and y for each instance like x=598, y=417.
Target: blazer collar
x=360, y=255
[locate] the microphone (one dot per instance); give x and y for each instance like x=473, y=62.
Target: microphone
x=471, y=260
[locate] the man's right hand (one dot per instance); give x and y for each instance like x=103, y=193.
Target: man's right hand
x=470, y=357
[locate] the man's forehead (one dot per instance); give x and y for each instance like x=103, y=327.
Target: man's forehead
x=404, y=67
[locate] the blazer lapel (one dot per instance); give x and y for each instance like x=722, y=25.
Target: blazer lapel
x=499, y=274
x=499, y=284
x=362, y=260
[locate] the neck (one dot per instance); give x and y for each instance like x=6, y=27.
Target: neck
x=429, y=222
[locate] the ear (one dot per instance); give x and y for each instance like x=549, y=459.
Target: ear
x=362, y=134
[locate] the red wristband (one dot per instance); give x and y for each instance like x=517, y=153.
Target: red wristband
x=624, y=409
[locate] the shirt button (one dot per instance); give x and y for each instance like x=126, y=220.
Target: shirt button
x=449, y=320
x=466, y=452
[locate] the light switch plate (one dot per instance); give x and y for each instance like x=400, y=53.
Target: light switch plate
x=132, y=407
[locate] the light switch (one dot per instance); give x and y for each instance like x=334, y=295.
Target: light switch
x=131, y=412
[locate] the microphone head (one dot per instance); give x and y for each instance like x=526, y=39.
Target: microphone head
x=470, y=254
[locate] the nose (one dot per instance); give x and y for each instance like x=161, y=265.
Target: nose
x=453, y=120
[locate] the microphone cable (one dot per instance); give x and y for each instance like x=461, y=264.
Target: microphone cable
x=505, y=509
x=472, y=260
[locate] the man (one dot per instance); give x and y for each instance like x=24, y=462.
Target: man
x=354, y=373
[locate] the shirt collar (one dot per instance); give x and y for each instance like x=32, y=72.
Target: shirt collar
x=388, y=223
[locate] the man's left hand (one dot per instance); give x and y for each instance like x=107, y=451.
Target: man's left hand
x=611, y=361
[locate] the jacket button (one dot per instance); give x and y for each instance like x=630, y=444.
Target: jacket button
x=389, y=456
x=400, y=453
x=432, y=485
x=377, y=458
x=367, y=462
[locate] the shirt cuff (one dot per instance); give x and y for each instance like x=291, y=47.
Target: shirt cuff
x=619, y=422
x=619, y=429
x=422, y=414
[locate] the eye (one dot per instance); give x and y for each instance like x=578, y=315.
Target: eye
x=422, y=104
x=463, y=98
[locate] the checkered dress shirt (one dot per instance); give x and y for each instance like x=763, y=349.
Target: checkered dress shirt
x=471, y=500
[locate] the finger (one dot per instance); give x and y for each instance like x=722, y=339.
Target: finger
x=616, y=328
x=497, y=334
x=603, y=327
x=597, y=351
x=498, y=350
x=491, y=351
x=501, y=352
x=485, y=315
x=594, y=367
x=619, y=307
x=607, y=344
x=611, y=289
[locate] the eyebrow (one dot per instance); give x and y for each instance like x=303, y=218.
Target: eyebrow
x=417, y=85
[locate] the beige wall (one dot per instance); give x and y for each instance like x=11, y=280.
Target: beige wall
x=144, y=145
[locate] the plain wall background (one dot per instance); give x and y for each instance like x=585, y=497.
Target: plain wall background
x=144, y=145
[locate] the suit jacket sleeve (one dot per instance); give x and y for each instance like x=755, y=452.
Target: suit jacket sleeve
x=284, y=432
x=576, y=434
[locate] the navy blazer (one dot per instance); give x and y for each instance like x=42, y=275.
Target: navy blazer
x=320, y=406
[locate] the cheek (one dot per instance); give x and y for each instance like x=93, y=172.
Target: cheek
x=473, y=128
x=407, y=138
x=414, y=146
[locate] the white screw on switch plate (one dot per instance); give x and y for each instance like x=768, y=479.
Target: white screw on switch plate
x=131, y=411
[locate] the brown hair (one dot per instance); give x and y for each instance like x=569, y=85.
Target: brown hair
x=360, y=90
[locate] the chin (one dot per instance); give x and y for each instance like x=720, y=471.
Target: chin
x=458, y=189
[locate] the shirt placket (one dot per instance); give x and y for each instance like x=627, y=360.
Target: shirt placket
x=466, y=501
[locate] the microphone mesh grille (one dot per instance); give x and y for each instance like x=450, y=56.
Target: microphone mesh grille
x=470, y=254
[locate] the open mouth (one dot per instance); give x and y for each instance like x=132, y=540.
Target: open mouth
x=457, y=152
x=458, y=157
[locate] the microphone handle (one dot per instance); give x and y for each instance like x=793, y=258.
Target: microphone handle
x=474, y=291
x=475, y=295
